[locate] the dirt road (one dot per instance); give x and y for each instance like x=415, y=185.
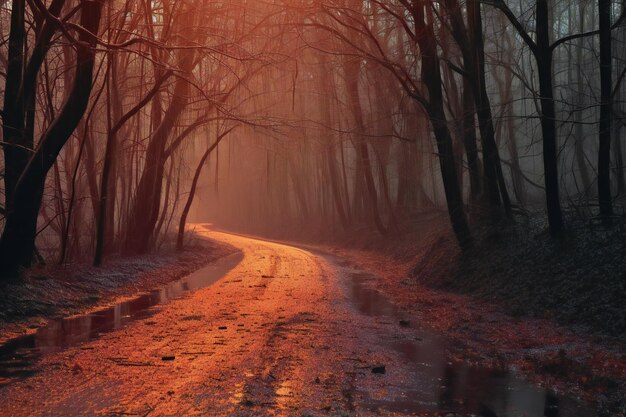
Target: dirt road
x=285, y=332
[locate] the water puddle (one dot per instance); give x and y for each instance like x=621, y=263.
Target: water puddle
x=440, y=387
x=18, y=356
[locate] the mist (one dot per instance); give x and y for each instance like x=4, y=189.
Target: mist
x=470, y=147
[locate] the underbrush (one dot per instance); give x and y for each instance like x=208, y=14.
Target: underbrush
x=578, y=279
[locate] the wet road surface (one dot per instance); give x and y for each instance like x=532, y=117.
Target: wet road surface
x=274, y=330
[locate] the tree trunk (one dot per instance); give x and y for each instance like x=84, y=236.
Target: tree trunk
x=579, y=134
x=15, y=145
x=469, y=142
x=192, y=191
x=604, y=135
x=106, y=190
x=351, y=71
x=492, y=175
x=432, y=80
x=147, y=200
x=548, y=119
x=325, y=103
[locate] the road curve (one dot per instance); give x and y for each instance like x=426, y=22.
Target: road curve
x=275, y=336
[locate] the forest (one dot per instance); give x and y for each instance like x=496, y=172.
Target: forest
x=460, y=152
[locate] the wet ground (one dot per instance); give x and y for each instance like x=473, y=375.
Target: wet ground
x=438, y=385
x=274, y=330
x=19, y=356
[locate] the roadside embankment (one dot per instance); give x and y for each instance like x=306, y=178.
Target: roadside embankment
x=56, y=291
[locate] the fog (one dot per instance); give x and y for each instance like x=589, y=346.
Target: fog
x=302, y=119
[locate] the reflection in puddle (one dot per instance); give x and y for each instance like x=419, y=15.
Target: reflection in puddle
x=18, y=356
x=367, y=300
x=439, y=386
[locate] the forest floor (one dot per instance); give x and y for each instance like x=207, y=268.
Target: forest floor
x=289, y=331
x=55, y=291
x=552, y=311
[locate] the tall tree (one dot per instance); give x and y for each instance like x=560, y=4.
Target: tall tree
x=606, y=97
x=542, y=51
x=28, y=175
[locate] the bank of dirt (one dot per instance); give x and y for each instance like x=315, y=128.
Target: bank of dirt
x=55, y=291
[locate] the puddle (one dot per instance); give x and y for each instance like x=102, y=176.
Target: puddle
x=437, y=386
x=18, y=356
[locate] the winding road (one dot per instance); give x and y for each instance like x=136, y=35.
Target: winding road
x=285, y=332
